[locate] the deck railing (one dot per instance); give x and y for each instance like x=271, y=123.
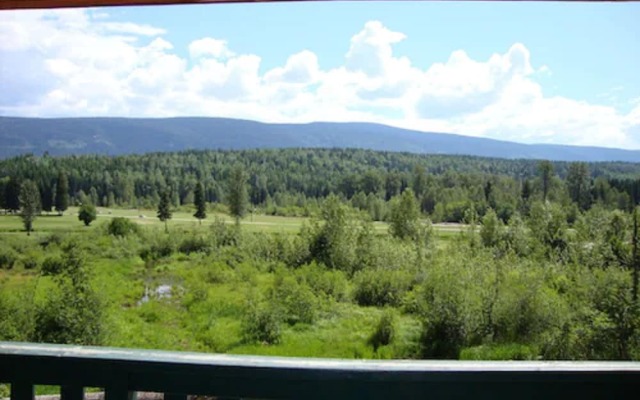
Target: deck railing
x=122, y=372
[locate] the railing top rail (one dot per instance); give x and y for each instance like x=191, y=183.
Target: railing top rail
x=189, y=358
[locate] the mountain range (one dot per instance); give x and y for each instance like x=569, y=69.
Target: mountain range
x=114, y=136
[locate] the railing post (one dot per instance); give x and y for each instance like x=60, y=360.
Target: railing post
x=175, y=396
x=21, y=391
x=119, y=392
x=71, y=392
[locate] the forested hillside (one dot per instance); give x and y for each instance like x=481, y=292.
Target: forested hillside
x=291, y=181
x=114, y=136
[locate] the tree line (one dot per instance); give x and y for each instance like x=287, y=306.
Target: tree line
x=295, y=181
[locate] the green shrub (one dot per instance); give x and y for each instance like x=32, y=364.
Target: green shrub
x=52, y=265
x=159, y=248
x=120, y=226
x=8, y=258
x=223, y=234
x=261, y=324
x=194, y=244
x=381, y=287
x=52, y=239
x=385, y=331
x=296, y=300
x=87, y=213
x=509, y=351
x=30, y=260
x=330, y=283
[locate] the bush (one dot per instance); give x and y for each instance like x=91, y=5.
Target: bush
x=381, y=287
x=385, y=331
x=223, y=234
x=87, y=213
x=330, y=283
x=8, y=258
x=509, y=351
x=30, y=260
x=262, y=325
x=52, y=265
x=295, y=300
x=194, y=244
x=159, y=248
x=120, y=226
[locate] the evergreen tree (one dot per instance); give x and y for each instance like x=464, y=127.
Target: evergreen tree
x=237, y=192
x=12, y=194
x=545, y=169
x=62, y=193
x=87, y=213
x=164, y=208
x=578, y=184
x=29, y=204
x=200, y=202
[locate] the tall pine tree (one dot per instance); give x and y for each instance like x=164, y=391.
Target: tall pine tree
x=545, y=169
x=237, y=192
x=62, y=193
x=12, y=194
x=200, y=202
x=164, y=208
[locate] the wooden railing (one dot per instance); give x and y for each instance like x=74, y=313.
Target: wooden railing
x=122, y=372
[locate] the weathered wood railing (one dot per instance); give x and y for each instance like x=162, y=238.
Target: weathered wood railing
x=124, y=371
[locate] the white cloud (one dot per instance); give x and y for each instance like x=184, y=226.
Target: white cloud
x=135, y=29
x=209, y=47
x=78, y=63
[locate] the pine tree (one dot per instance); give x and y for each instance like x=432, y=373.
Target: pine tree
x=545, y=169
x=237, y=193
x=164, y=208
x=12, y=194
x=29, y=204
x=62, y=193
x=201, y=205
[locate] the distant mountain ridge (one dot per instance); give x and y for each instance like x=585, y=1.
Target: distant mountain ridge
x=115, y=136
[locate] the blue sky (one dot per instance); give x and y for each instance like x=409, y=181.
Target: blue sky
x=532, y=72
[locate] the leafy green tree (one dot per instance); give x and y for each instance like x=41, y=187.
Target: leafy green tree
x=548, y=224
x=405, y=216
x=29, y=204
x=237, y=192
x=87, y=213
x=545, y=170
x=72, y=313
x=419, y=183
x=62, y=193
x=491, y=229
x=200, y=202
x=164, y=208
x=333, y=241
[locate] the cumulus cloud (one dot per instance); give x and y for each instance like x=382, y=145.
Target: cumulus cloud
x=209, y=47
x=79, y=63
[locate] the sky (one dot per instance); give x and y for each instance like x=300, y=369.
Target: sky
x=564, y=73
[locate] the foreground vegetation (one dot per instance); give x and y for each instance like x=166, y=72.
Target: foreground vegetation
x=327, y=253
x=533, y=288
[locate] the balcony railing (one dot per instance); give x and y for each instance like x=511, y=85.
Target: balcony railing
x=122, y=372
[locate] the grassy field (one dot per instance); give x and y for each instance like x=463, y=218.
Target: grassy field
x=68, y=222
